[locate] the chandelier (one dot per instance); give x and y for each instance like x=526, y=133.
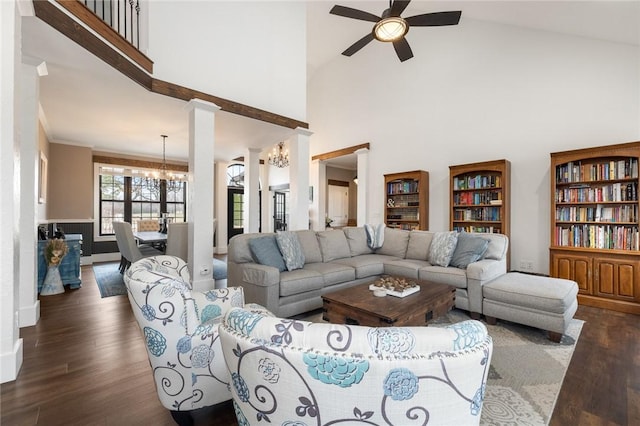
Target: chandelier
x=280, y=156
x=173, y=183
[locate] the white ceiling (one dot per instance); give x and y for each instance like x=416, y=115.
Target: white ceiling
x=86, y=102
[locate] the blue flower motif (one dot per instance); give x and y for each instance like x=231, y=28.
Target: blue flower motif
x=269, y=369
x=201, y=356
x=240, y=386
x=242, y=420
x=237, y=300
x=243, y=321
x=391, y=341
x=210, y=312
x=469, y=334
x=204, y=329
x=400, y=384
x=148, y=312
x=476, y=403
x=343, y=372
x=184, y=344
x=156, y=343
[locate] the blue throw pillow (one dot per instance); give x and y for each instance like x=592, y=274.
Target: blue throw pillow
x=469, y=249
x=291, y=249
x=265, y=252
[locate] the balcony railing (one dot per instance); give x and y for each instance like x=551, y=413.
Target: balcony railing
x=121, y=15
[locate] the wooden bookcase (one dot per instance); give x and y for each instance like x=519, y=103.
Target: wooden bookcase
x=407, y=200
x=480, y=197
x=594, y=224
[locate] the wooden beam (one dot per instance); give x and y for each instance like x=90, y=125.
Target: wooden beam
x=340, y=152
x=337, y=182
x=143, y=164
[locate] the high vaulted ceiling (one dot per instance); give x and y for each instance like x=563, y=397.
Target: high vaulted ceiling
x=116, y=114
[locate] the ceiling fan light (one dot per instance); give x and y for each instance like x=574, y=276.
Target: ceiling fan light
x=390, y=29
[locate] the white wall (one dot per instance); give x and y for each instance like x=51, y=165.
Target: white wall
x=252, y=52
x=477, y=92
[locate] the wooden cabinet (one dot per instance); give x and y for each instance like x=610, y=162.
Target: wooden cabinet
x=480, y=197
x=407, y=200
x=70, y=265
x=595, y=238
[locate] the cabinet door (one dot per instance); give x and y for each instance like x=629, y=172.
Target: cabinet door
x=617, y=278
x=573, y=267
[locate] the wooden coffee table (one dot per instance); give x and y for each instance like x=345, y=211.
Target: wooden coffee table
x=358, y=306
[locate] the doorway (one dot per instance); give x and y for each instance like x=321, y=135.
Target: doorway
x=338, y=203
x=279, y=211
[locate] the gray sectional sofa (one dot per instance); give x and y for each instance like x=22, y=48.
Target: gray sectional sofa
x=340, y=258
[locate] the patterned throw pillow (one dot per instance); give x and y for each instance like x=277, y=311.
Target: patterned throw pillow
x=442, y=247
x=265, y=252
x=291, y=249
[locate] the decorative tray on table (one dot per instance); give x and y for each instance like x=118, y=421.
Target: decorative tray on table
x=395, y=286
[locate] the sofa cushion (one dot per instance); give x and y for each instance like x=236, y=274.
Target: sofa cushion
x=405, y=267
x=419, y=243
x=265, y=251
x=310, y=246
x=395, y=243
x=469, y=249
x=300, y=281
x=365, y=265
x=357, y=239
x=333, y=273
x=498, y=245
x=439, y=274
x=291, y=250
x=333, y=245
x=442, y=247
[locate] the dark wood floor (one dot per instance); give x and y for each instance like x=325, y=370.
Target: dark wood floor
x=85, y=364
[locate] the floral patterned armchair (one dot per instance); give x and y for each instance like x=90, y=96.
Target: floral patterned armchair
x=180, y=329
x=296, y=373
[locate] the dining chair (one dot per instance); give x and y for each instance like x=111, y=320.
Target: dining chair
x=130, y=251
x=148, y=225
x=178, y=240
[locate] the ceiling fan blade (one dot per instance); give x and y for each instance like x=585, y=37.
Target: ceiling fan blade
x=398, y=7
x=403, y=50
x=358, y=45
x=434, y=19
x=349, y=12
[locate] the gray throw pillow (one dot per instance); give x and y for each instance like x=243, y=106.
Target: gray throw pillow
x=470, y=248
x=333, y=245
x=442, y=247
x=265, y=252
x=291, y=249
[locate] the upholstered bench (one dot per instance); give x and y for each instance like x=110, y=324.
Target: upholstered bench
x=537, y=301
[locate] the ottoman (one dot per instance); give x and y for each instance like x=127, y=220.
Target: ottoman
x=536, y=301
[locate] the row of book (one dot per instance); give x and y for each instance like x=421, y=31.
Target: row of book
x=410, y=200
x=614, y=192
x=485, y=229
x=614, y=237
x=491, y=214
x=598, y=213
x=477, y=198
x=404, y=216
x=477, y=182
x=610, y=170
x=402, y=186
x=404, y=226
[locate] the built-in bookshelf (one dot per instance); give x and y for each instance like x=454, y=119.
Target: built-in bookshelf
x=595, y=222
x=480, y=197
x=407, y=200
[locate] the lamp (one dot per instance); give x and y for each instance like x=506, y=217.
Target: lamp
x=355, y=179
x=163, y=174
x=280, y=156
x=390, y=28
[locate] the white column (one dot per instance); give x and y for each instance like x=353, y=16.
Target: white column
x=31, y=71
x=318, y=180
x=363, y=186
x=11, y=349
x=200, y=192
x=221, y=195
x=251, y=212
x=299, y=179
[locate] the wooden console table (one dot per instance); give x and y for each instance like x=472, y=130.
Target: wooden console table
x=69, y=267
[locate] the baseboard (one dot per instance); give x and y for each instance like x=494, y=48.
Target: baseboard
x=530, y=273
x=30, y=315
x=10, y=363
x=105, y=257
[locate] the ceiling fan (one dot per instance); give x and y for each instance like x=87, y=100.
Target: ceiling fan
x=390, y=27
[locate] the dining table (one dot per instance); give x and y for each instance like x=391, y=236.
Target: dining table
x=154, y=238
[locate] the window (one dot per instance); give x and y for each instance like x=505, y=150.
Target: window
x=128, y=195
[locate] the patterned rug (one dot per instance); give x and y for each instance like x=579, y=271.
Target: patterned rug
x=526, y=374
x=110, y=282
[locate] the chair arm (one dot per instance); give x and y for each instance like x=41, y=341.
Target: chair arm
x=260, y=275
x=478, y=274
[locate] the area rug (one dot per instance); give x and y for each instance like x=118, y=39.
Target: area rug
x=110, y=282
x=109, y=279
x=526, y=373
